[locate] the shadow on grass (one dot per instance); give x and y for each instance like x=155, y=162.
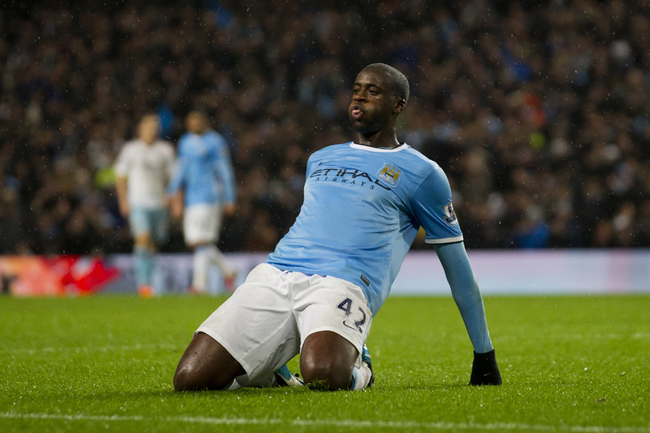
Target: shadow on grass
x=169, y=392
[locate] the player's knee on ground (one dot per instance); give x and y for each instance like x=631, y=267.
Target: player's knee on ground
x=326, y=373
x=205, y=365
x=327, y=361
x=331, y=371
x=188, y=379
x=184, y=380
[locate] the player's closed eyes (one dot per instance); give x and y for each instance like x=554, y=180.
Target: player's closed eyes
x=371, y=91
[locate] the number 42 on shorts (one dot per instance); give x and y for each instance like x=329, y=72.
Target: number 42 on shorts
x=346, y=305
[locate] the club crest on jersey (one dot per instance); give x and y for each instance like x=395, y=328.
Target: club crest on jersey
x=450, y=215
x=390, y=174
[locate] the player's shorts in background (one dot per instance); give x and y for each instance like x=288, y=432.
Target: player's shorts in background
x=266, y=321
x=202, y=223
x=154, y=222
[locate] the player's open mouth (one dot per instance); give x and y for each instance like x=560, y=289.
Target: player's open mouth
x=356, y=112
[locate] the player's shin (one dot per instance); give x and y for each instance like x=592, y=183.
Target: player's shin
x=201, y=267
x=217, y=257
x=144, y=263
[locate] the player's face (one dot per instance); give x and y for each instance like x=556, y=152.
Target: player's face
x=372, y=105
x=196, y=123
x=148, y=129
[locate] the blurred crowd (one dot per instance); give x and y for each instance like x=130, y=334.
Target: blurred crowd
x=537, y=111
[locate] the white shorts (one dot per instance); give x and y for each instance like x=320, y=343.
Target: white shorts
x=153, y=222
x=265, y=322
x=202, y=223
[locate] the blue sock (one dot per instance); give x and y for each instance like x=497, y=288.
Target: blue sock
x=143, y=263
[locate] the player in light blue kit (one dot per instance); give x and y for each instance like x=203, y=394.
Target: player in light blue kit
x=204, y=180
x=318, y=292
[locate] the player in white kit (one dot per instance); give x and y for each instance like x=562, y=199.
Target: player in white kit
x=143, y=169
x=318, y=292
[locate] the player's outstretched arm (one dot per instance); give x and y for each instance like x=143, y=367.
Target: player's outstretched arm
x=467, y=296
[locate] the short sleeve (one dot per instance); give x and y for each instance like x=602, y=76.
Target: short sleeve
x=432, y=207
x=122, y=163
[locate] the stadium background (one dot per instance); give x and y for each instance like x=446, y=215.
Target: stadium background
x=538, y=111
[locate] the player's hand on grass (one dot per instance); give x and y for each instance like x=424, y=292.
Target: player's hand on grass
x=485, y=370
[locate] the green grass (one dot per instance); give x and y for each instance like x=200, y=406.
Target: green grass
x=574, y=364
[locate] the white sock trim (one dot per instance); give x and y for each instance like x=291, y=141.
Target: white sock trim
x=361, y=377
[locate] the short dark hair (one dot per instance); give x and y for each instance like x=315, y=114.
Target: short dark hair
x=398, y=83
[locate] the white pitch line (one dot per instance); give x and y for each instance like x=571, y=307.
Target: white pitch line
x=331, y=423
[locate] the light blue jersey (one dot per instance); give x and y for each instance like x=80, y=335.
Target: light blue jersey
x=203, y=169
x=362, y=209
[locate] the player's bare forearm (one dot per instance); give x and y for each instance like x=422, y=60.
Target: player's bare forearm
x=122, y=196
x=228, y=209
x=176, y=204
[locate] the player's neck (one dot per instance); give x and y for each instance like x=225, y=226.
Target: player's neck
x=382, y=139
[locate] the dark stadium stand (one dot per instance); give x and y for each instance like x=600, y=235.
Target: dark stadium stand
x=537, y=111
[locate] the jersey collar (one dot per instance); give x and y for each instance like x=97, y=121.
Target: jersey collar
x=378, y=149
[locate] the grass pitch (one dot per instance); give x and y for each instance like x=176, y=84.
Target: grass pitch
x=569, y=364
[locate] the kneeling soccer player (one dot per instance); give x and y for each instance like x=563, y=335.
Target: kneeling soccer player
x=318, y=291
